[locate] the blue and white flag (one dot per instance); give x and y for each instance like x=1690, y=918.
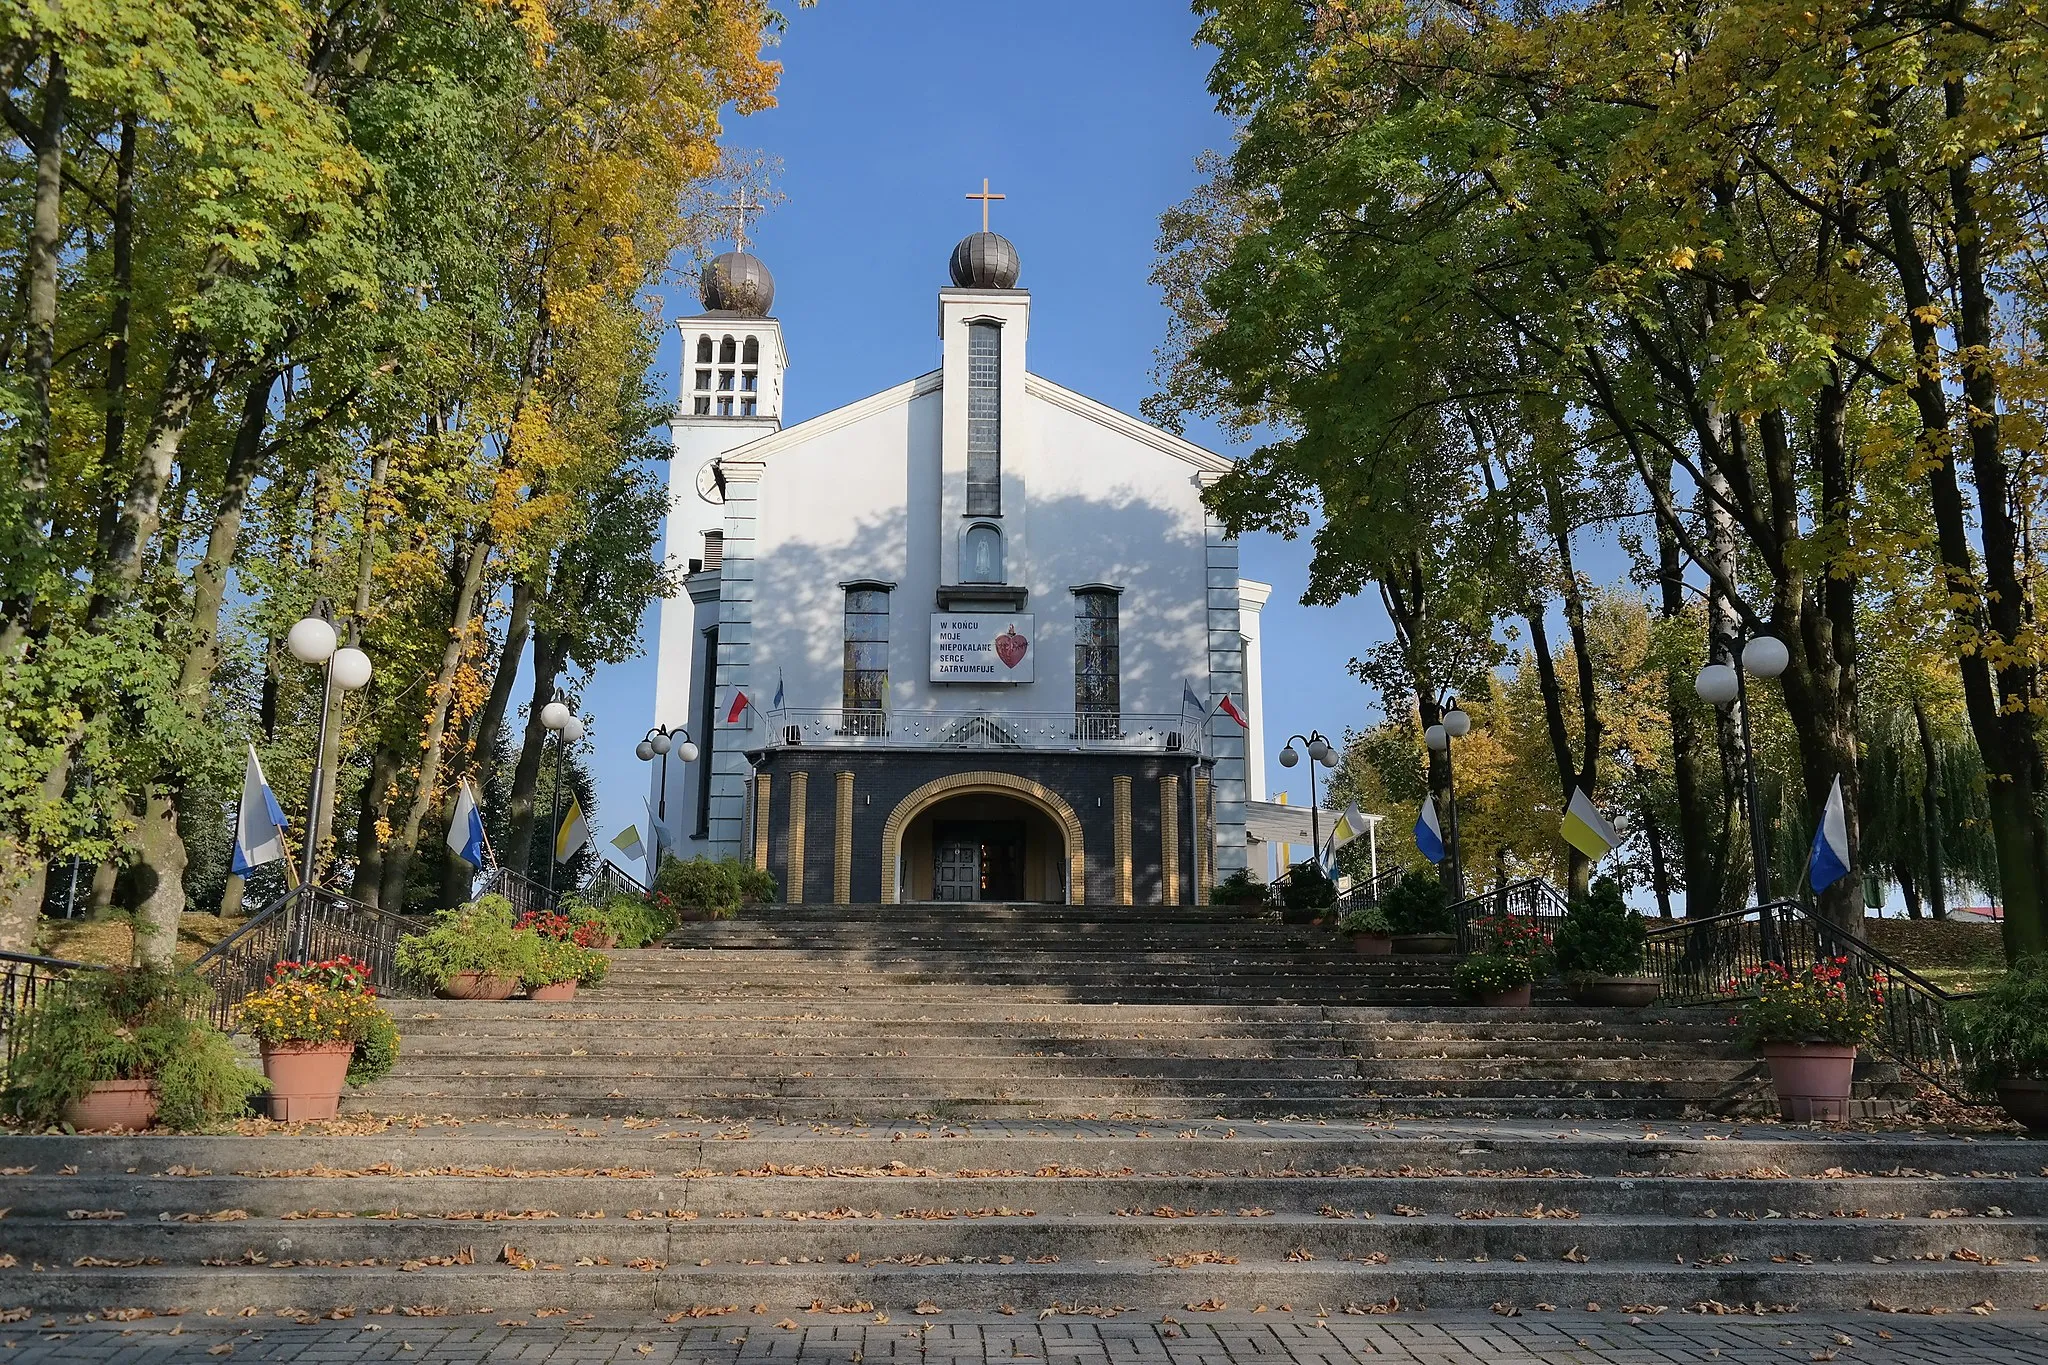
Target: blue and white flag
x=776, y=705
x=466, y=829
x=1429, y=832
x=1830, y=860
x=1189, y=701
x=259, y=822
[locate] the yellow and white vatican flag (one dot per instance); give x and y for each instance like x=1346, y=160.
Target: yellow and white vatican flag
x=573, y=834
x=1586, y=829
x=627, y=841
x=1350, y=827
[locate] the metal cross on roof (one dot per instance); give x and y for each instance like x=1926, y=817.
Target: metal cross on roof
x=984, y=197
x=743, y=203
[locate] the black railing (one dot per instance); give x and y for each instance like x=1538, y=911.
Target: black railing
x=613, y=880
x=527, y=895
x=1531, y=898
x=1718, y=957
x=28, y=982
x=1362, y=895
x=308, y=925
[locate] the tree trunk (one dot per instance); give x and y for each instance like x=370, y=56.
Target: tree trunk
x=121, y=559
x=1660, y=878
x=1902, y=873
x=45, y=248
x=210, y=575
x=114, y=440
x=547, y=665
x=1930, y=812
x=469, y=566
x=160, y=874
x=368, y=886
x=457, y=875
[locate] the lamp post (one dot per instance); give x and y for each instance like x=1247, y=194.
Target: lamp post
x=660, y=740
x=1721, y=685
x=1456, y=723
x=1319, y=751
x=312, y=641
x=557, y=716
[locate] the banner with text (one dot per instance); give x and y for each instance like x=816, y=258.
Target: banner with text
x=981, y=647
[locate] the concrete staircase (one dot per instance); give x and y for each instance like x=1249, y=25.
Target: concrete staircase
x=1106, y=1101
x=686, y=1221
x=800, y=1014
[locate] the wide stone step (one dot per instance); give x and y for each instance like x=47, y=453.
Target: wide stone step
x=1648, y=1285
x=427, y=1041
x=1127, y=1071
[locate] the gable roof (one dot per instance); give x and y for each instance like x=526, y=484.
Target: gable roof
x=1035, y=386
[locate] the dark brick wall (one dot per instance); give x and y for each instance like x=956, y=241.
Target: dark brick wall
x=882, y=778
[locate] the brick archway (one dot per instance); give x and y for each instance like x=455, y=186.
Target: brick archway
x=983, y=784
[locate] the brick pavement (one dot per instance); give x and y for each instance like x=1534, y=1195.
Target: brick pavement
x=1566, y=1339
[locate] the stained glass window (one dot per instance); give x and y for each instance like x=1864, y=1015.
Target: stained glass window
x=1097, y=661
x=865, y=679
x=984, y=420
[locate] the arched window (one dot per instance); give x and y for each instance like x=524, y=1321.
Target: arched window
x=726, y=350
x=752, y=354
x=981, y=555
x=704, y=350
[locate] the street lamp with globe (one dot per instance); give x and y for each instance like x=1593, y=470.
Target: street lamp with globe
x=660, y=742
x=1722, y=685
x=568, y=729
x=312, y=640
x=1455, y=723
x=1319, y=752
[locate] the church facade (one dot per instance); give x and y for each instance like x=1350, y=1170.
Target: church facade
x=969, y=638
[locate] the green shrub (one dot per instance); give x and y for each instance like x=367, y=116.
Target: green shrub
x=2003, y=1033
x=632, y=921
x=1239, y=888
x=1372, y=921
x=548, y=961
x=469, y=938
x=1415, y=905
x=757, y=885
x=717, y=887
x=1493, y=973
x=136, y=1023
x=376, y=1051
x=1307, y=888
x=1600, y=935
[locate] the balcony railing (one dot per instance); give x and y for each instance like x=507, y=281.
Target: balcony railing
x=985, y=729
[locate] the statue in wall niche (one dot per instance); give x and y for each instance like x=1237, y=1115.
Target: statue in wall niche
x=984, y=554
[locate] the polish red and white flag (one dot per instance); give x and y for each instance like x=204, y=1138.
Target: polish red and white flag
x=1229, y=708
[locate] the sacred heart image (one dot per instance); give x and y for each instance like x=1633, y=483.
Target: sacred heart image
x=1010, y=647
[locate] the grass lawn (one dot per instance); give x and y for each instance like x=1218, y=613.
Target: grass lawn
x=1954, y=956
x=111, y=938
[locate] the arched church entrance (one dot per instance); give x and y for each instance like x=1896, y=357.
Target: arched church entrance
x=982, y=837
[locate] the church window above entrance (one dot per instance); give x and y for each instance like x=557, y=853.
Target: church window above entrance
x=981, y=555
x=864, y=680
x=984, y=419
x=1097, y=663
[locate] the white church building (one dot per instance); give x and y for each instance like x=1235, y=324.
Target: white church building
x=968, y=638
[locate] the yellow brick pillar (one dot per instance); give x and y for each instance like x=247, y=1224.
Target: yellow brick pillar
x=1169, y=839
x=1205, y=847
x=842, y=840
x=1120, y=803
x=761, y=813
x=799, y=789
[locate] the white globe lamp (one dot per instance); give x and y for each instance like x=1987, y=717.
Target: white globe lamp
x=644, y=751
x=554, y=715
x=1289, y=756
x=572, y=730
x=661, y=742
x=351, y=668
x=311, y=641
x=1436, y=738
x=686, y=752
x=1457, y=724
x=1319, y=750
x=1717, y=684
x=1766, y=656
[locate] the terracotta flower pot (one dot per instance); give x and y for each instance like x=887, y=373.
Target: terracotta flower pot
x=1518, y=998
x=1425, y=943
x=2025, y=1098
x=1813, y=1080
x=1626, y=992
x=1372, y=945
x=478, y=986
x=561, y=990
x=306, y=1079
x=114, y=1104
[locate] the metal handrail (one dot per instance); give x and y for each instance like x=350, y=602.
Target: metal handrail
x=1716, y=958
x=527, y=895
x=309, y=924
x=1363, y=894
x=27, y=982
x=613, y=880
x=1531, y=897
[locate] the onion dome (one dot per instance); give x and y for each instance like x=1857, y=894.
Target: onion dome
x=985, y=260
x=737, y=282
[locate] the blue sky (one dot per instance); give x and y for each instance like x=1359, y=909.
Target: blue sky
x=1089, y=117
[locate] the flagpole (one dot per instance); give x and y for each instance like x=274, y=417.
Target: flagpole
x=489, y=852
